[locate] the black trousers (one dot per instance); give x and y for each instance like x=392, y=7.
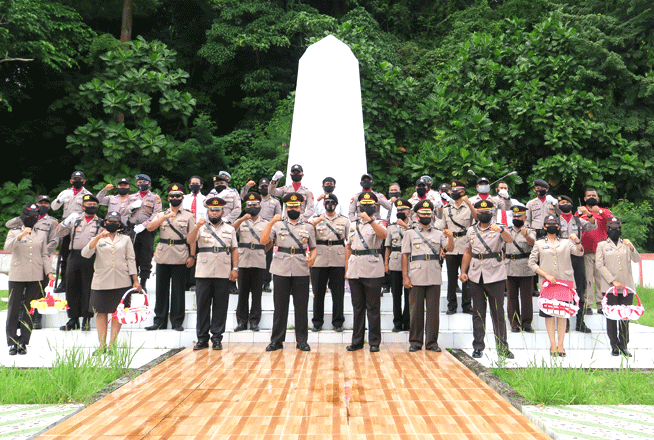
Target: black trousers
x=366, y=301
x=401, y=309
x=493, y=293
x=284, y=287
x=519, y=304
x=79, y=274
x=64, y=252
x=320, y=278
x=143, y=252
x=618, y=331
x=165, y=274
x=21, y=293
x=453, y=267
x=579, y=269
x=425, y=328
x=213, y=301
x=249, y=281
x=267, y=277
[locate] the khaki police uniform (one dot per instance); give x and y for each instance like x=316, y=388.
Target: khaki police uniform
x=519, y=282
x=394, y=237
x=114, y=203
x=232, y=208
x=252, y=264
x=457, y=219
x=353, y=213
x=144, y=240
x=307, y=205
x=114, y=263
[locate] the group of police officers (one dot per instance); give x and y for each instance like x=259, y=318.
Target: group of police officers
x=207, y=242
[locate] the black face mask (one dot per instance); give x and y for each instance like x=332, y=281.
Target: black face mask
x=592, y=201
x=328, y=188
x=296, y=177
x=330, y=207
x=614, y=235
x=91, y=210
x=263, y=191
x=195, y=188
x=112, y=227
x=175, y=202
x=421, y=191
x=401, y=216
x=215, y=220
x=43, y=210
x=122, y=191
x=370, y=210
x=77, y=184
x=456, y=195
x=366, y=184
x=552, y=229
x=485, y=218
x=220, y=188
x=541, y=192
x=253, y=211
x=425, y=220
x=293, y=214
x=518, y=223
x=29, y=221
x=566, y=209
x=143, y=187
x=395, y=194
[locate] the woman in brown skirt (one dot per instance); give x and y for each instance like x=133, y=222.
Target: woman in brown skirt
x=114, y=271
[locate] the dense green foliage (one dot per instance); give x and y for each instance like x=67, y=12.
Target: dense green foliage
x=559, y=90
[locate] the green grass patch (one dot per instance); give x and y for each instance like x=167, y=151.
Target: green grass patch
x=74, y=377
x=646, y=295
x=4, y=294
x=554, y=385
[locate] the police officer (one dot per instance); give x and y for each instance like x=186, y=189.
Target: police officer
x=422, y=247
x=364, y=269
x=232, y=209
x=486, y=272
x=140, y=209
x=270, y=206
x=290, y=269
x=540, y=207
x=613, y=260
x=71, y=200
x=328, y=186
x=79, y=270
x=217, y=262
x=422, y=193
x=115, y=203
x=393, y=264
x=194, y=200
x=366, y=186
x=483, y=193
x=329, y=268
x=297, y=173
x=252, y=263
x=173, y=255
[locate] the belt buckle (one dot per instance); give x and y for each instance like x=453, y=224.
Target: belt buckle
x=252, y=245
x=170, y=242
x=292, y=251
x=215, y=249
x=427, y=257
x=329, y=242
x=481, y=257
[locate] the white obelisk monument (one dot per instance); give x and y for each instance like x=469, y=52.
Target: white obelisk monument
x=327, y=136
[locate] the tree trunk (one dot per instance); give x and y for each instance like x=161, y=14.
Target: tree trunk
x=126, y=34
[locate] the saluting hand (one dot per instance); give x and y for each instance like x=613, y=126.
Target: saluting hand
x=276, y=218
x=574, y=238
x=496, y=228
x=24, y=232
x=524, y=232
x=250, y=183
x=108, y=187
x=448, y=233
x=365, y=217
x=627, y=242
x=247, y=217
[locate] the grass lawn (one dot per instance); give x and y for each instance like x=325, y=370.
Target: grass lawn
x=647, y=298
x=3, y=295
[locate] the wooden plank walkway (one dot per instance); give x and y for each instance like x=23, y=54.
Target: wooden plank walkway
x=243, y=392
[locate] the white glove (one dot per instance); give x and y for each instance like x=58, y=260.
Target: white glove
x=503, y=193
x=552, y=200
x=71, y=218
x=139, y=228
x=278, y=175
x=438, y=203
x=447, y=197
x=65, y=195
x=136, y=205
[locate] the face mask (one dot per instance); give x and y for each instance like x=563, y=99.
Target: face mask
x=553, y=229
x=614, y=234
x=566, y=209
x=195, y=188
x=592, y=201
x=328, y=188
x=263, y=191
x=122, y=191
x=370, y=210
x=253, y=211
x=296, y=177
x=484, y=189
x=293, y=214
x=29, y=222
x=220, y=188
x=77, y=184
x=456, y=195
x=143, y=187
x=518, y=223
x=215, y=220
x=395, y=194
x=330, y=207
x=366, y=184
x=91, y=210
x=43, y=210
x=175, y=202
x=401, y=216
x=425, y=220
x=484, y=218
x=541, y=192
x=111, y=227
x=421, y=191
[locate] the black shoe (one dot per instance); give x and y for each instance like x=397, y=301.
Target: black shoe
x=385, y=290
x=217, y=346
x=316, y=328
x=154, y=327
x=72, y=324
x=435, y=348
x=588, y=311
x=179, y=328
x=600, y=312
x=506, y=354
x=86, y=324
x=233, y=290
x=338, y=329
x=529, y=330
x=37, y=321
x=476, y=353
x=413, y=348
x=450, y=311
x=266, y=288
x=13, y=350
x=23, y=350
x=303, y=346
x=240, y=327
x=582, y=328
x=354, y=347
x=515, y=329
x=374, y=348
x=61, y=288
x=469, y=312
x=536, y=293
x=614, y=352
x=458, y=289
x=624, y=352
x=254, y=327
x=274, y=346
x=201, y=345
x=396, y=329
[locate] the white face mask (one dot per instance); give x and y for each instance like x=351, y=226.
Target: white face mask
x=483, y=189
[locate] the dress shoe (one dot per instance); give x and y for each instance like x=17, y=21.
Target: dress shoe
x=201, y=345
x=23, y=350
x=240, y=327
x=529, y=330
x=469, y=311
x=624, y=352
x=435, y=348
x=254, y=327
x=515, y=329
x=414, y=348
x=374, y=348
x=354, y=347
x=86, y=324
x=179, y=328
x=316, y=328
x=154, y=327
x=476, y=353
x=13, y=350
x=600, y=312
x=614, y=352
x=61, y=288
x=266, y=288
x=37, y=321
x=303, y=346
x=536, y=293
x=72, y=324
x=582, y=328
x=217, y=346
x=385, y=290
x=588, y=311
x=396, y=329
x=274, y=346
x=450, y=311
x=506, y=354
x=338, y=329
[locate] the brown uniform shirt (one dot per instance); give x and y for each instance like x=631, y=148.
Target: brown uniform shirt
x=614, y=264
x=307, y=205
x=498, y=202
x=353, y=213
x=365, y=266
x=74, y=204
x=81, y=232
x=292, y=265
x=518, y=267
x=393, y=240
x=489, y=268
x=232, y=208
x=30, y=260
x=251, y=257
x=144, y=214
x=45, y=224
x=269, y=207
x=167, y=253
x=114, y=203
x=572, y=227
x=215, y=264
x=537, y=211
x=424, y=272
x=461, y=215
x=554, y=258
x=331, y=255
x=114, y=263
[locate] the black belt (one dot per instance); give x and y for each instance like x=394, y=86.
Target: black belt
x=396, y=249
x=517, y=256
x=251, y=246
x=170, y=241
x=459, y=234
x=330, y=242
x=214, y=249
x=291, y=250
x=425, y=257
x=358, y=253
x=496, y=255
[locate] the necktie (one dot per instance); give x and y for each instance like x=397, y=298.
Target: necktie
x=504, y=219
x=194, y=205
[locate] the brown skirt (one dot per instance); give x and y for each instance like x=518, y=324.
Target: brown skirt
x=106, y=301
